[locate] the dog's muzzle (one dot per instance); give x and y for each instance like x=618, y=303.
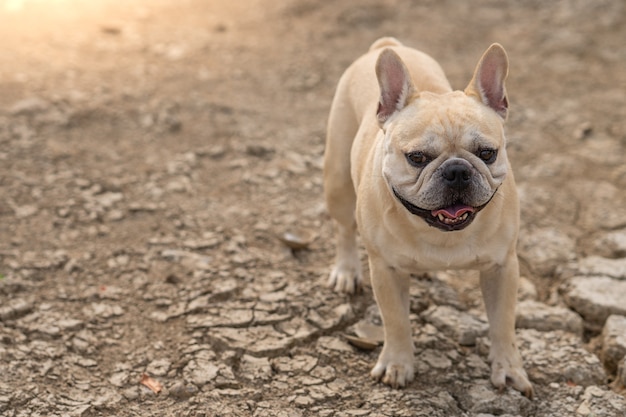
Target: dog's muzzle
x=455, y=217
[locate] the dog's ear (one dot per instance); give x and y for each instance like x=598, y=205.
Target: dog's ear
x=488, y=82
x=396, y=87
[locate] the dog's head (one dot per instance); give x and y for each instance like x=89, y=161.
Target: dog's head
x=445, y=154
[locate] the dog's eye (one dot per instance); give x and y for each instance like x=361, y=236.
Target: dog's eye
x=488, y=155
x=417, y=159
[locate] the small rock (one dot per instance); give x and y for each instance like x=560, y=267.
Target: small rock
x=180, y=184
x=189, y=259
x=546, y=248
x=297, y=240
x=596, y=297
x=621, y=373
x=86, y=362
x=159, y=367
x=131, y=393
x=614, y=342
x=233, y=314
x=612, y=244
x=583, y=130
x=463, y=327
x=205, y=243
x=297, y=364
x=602, y=194
x=539, y=316
x=29, y=106
x=119, y=379
x=215, y=151
x=70, y=325
x=526, y=290
x=116, y=215
x=326, y=318
x=15, y=309
x=111, y=28
x=182, y=391
x=481, y=397
x=596, y=265
x=325, y=373
x=103, y=310
x=558, y=356
x=108, y=199
x=22, y=212
x=598, y=402
x=254, y=368
x=261, y=339
x=436, y=359
x=260, y=151
x=200, y=371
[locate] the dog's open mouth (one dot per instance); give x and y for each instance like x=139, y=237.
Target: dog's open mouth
x=455, y=217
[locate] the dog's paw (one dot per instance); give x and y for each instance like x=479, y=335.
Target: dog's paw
x=345, y=279
x=504, y=373
x=396, y=374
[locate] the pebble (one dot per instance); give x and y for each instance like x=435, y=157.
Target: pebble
x=435, y=359
x=462, y=327
x=612, y=244
x=613, y=342
x=621, y=373
x=29, y=106
x=558, y=356
x=182, y=391
x=297, y=364
x=539, y=316
x=546, y=248
x=159, y=367
x=599, y=402
x=482, y=398
x=15, y=309
x=596, y=265
x=201, y=371
x=254, y=368
x=595, y=297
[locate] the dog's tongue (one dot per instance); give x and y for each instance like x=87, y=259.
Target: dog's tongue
x=454, y=211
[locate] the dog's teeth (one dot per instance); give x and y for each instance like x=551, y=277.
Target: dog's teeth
x=441, y=218
x=464, y=216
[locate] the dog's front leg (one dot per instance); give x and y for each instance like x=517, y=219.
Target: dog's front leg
x=391, y=289
x=499, y=287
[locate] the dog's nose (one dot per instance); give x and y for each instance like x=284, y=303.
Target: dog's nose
x=457, y=176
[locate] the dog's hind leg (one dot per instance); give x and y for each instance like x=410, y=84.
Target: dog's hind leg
x=339, y=192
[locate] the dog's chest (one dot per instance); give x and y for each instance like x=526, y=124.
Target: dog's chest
x=423, y=257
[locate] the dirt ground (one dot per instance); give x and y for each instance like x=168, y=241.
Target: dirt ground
x=152, y=153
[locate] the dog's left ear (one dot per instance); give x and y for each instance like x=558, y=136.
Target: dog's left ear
x=396, y=87
x=488, y=82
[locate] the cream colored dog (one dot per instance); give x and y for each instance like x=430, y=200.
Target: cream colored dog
x=423, y=171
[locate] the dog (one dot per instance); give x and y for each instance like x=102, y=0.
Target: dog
x=422, y=172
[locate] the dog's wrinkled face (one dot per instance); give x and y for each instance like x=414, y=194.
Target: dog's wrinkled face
x=445, y=158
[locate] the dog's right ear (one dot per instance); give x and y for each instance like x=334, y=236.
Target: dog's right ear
x=396, y=87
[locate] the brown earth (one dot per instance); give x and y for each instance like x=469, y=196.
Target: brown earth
x=152, y=151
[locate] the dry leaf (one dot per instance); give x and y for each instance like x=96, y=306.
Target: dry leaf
x=297, y=240
x=361, y=342
x=153, y=384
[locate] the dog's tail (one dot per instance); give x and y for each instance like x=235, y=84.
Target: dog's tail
x=383, y=42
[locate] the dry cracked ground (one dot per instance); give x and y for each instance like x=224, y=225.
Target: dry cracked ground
x=162, y=226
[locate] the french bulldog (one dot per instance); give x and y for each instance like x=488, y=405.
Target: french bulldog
x=422, y=172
